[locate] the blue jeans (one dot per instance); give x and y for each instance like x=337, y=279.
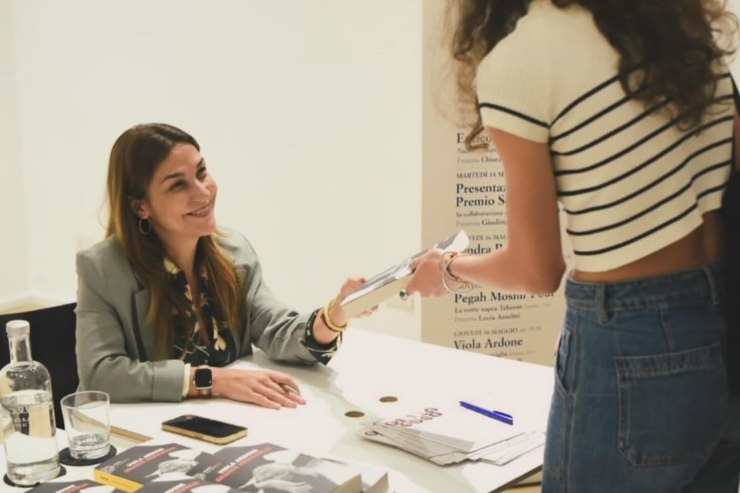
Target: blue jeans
x=641, y=402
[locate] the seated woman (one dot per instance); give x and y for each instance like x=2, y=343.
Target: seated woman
x=167, y=300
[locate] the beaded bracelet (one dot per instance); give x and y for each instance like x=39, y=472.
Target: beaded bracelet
x=463, y=285
x=311, y=320
x=329, y=322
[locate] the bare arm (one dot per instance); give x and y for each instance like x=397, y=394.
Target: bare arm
x=532, y=260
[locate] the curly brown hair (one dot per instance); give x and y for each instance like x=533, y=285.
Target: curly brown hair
x=667, y=47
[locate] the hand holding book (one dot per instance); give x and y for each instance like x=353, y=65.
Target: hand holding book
x=333, y=319
x=392, y=280
x=433, y=275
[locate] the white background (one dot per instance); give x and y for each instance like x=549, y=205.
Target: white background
x=308, y=113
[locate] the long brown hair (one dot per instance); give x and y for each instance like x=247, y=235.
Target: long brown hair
x=666, y=47
x=134, y=159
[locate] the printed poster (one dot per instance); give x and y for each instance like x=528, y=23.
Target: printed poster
x=467, y=190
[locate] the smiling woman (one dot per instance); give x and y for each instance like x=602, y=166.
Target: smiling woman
x=168, y=299
x=180, y=199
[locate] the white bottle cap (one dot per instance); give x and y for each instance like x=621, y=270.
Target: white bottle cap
x=17, y=328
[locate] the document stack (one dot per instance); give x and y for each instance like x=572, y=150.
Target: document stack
x=454, y=434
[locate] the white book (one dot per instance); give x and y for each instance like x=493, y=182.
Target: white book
x=390, y=282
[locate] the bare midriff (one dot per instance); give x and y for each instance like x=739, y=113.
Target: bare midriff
x=700, y=247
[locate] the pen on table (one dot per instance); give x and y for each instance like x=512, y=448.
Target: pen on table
x=497, y=415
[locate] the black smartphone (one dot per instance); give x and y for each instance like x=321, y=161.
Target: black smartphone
x=207, y=429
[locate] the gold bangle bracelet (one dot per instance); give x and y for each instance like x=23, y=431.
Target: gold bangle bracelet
x=329, y=322
x=460, y=285
x=447, y=259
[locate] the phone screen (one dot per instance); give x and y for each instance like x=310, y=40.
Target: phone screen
x=205, y=428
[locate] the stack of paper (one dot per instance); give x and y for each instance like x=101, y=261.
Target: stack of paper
x=455, y=434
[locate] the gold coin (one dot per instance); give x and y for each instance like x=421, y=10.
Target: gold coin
x=388, y=398
x=354, y=414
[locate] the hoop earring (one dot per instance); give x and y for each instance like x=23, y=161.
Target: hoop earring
x=145, y=226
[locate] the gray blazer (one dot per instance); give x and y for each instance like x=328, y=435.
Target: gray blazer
x=115, y=343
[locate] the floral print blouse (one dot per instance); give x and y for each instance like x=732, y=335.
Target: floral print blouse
x=219, y=347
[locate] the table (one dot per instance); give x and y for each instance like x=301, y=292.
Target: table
x=367, y=367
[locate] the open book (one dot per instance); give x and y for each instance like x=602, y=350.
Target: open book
x=390, y=282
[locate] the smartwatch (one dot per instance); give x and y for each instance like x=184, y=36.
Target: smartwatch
x=203, y=381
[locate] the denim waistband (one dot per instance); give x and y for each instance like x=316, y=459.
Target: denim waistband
x=701, y=282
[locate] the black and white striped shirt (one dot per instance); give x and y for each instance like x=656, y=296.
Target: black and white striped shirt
x=629, y=181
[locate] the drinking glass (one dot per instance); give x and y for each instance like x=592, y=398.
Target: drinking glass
x=87, y=423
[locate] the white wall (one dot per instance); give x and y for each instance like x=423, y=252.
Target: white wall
x=307, y=112
x=14, y=266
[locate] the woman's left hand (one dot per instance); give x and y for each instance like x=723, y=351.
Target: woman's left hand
x=321, y=331
x=336, y=311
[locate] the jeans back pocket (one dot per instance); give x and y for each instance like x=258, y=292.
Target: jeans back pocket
x=671, y=406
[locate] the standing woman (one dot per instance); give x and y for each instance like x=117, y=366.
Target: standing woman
x=621, y=112
x=167, y=299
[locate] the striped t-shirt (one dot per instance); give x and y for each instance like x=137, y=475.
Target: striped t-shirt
x=629, y=181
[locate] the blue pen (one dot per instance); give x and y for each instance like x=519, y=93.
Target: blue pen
x=497, y=415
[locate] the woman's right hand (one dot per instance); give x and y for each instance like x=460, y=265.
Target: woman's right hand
x=264, y=388
x=427, y=277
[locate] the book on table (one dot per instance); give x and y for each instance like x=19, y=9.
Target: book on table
x=72, y=486
x=142, y=464
x=269, y=467
x=392, y=280
x=263, y=468
x=374, y=478
x=185, y=485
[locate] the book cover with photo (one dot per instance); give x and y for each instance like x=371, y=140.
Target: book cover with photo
x=78, y=486
x=390, y=282
x=269, y=468
x=185, y=485
x=142, y=464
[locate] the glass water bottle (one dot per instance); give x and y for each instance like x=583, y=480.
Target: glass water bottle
x=27, y=412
